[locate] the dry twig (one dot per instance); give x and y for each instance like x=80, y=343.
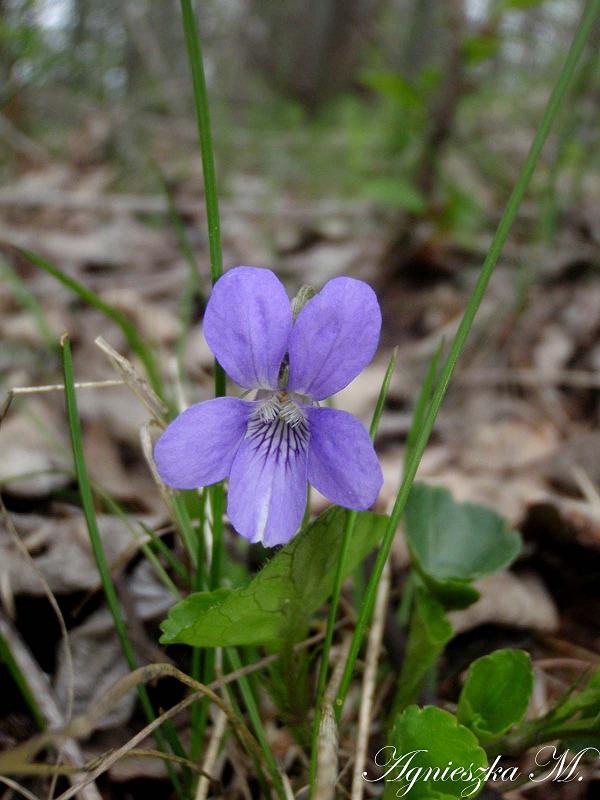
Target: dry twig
x=138, y=385
x=369, y=679
x=327, y=759
x=212, y=751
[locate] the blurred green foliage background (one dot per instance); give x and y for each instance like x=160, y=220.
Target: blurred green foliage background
x=419, y=106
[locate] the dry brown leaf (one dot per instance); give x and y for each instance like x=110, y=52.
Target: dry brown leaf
x=98, y=663
x=582, y=449
x=508, y=444
x=26, y=451
x=554, y=348
x=61, y=549
x=511, y=600
x=154, y=321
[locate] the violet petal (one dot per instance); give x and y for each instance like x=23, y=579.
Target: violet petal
x=268, y=484
x=334, y=338
x=198, y=447
x=247, y=325
x=342, y=463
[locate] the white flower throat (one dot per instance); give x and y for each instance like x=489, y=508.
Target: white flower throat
x=282, y=405
x=279, y=423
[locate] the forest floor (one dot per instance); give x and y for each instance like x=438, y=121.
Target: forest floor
x=518, y=430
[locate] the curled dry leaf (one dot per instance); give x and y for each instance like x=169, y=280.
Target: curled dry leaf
x=580, y=450
x=509, y=443
x=31, y=467
x=153, y=320
x=318, y=264
x=554, y=348
x=98, y=663
x=511, y=600
x=98, y=660
x=61, y=549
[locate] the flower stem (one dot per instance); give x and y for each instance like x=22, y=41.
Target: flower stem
x=589, y=17
x=339, y=579
x=211, y=201
x=194, y=51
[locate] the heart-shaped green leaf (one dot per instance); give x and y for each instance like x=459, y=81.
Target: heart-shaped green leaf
x=496, y=693
x=451, y=762
x=282, y=596
x=453, y=544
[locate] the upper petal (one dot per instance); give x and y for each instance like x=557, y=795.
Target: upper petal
x=334, y=338
x=342, y=463
x=247, y=324
x=268, y=483
x=198, y=447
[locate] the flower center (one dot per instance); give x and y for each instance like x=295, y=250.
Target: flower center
x=279, y=425
x=282, y=406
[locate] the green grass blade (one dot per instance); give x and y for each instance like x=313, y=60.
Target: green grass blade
x=192, y=41
x=21, y=680
x=383, y=393
x=28, y=302
x=233, y=702
x=254, y=714
x=217, y=496
x=339, y=579
x=211, y=200
x=137, y=536
x=422, y=403
x=199, y=711
x=590, y=15
x=87, y=503
x=176, y=565
x=185, y=527
x=135, y=341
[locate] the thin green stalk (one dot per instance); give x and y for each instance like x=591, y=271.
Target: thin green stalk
x=185, y=527
x=233, y=702
x=383, y=393
x=217, y=497
x=26, y=298
x=175, y=564
x=144, y=546
x=254, y=714
x=590, y=15
x=416, y=424
x=87, y=502
x=339, y=580
x=199, y=711
x=422, y=403
x=21, y=680
x=211, y=201
x=192, y=41
x=207, y=663
x=134, y=340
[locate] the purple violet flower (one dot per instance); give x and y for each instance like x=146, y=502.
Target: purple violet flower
x=272, y=446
